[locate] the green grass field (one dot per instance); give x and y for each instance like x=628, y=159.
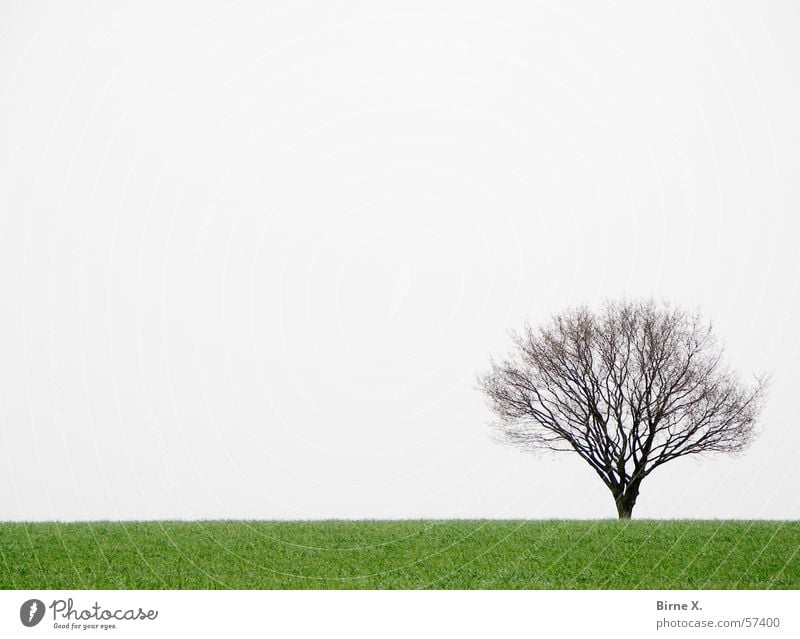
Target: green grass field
x=401, y=554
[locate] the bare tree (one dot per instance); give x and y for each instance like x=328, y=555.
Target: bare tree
x=628, y=389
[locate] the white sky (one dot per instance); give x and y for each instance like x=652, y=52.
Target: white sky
x=252, y=258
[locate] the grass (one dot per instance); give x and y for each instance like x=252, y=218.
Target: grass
x=401, y=554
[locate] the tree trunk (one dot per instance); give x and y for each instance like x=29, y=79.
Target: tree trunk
x=625, y=499
x=624, y=508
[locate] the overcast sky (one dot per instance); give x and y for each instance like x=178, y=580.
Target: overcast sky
x=252, y=257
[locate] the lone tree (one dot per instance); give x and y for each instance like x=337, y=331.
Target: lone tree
x=628, y=389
